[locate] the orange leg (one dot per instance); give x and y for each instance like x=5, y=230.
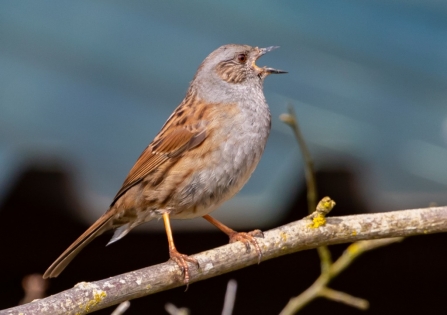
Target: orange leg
x=180, y=259
x=246, y=238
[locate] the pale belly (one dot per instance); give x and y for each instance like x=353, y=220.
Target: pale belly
x=206, y=176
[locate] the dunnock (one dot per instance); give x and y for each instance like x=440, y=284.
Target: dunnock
x=203, y=155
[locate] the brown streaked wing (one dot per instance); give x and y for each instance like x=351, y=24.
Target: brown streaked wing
x=166, y=146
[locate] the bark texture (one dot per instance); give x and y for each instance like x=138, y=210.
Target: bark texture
x=85, y=297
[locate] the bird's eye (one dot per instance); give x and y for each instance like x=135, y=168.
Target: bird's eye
x=242, y=58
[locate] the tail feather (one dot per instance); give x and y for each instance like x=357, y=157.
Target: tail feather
x=120, y=233
x=99, y=227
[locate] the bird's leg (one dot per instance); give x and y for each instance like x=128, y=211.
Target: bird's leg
x=180, y=259
x=248, y=238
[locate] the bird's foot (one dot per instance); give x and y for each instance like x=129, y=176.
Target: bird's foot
x=181, y=260
x=248, y=238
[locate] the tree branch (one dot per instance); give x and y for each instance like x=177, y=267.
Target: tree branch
x=290, y=238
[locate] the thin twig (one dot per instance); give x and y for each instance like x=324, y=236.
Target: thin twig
x=174, y=310
x=319, y=287
x=121, y=308
x=309, y=170
x=311, y=182
x=328, y=269
x=34, y=287
x=230, y=298
x=345, y=298
x=296, y=236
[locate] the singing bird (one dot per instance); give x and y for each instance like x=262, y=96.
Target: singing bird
x=203, y=155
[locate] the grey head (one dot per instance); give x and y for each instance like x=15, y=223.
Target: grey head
x=232, y=67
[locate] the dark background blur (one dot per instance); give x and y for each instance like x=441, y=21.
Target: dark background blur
x=85, y=86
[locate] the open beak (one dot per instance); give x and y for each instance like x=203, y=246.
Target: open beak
x=265, y=70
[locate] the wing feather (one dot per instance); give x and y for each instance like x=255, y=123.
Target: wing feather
x=165, y=147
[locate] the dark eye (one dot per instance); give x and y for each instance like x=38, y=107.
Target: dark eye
x=242, y=58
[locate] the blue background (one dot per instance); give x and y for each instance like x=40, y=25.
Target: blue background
x=88, y=84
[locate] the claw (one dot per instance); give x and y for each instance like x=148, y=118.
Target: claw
x=249, y=239
x=257, y=233
x=246, y=238
x=181, y=260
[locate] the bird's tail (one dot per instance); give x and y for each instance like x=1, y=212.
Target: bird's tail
x=99, y=227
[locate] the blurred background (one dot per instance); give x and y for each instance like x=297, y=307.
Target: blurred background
x=86, y=85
